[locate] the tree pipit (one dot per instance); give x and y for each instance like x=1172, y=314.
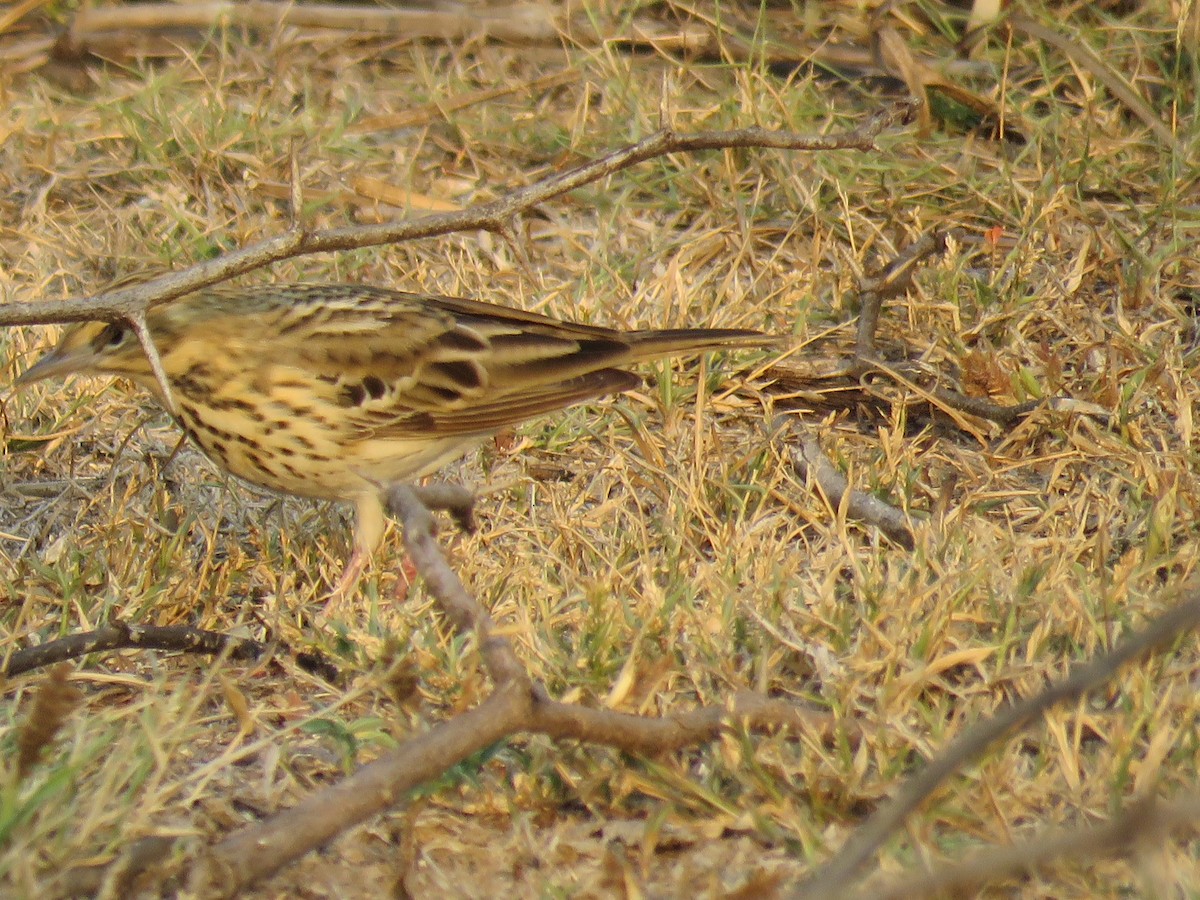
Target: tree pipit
x=336, y=391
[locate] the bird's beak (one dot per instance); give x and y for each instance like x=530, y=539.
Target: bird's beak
x=54, y=364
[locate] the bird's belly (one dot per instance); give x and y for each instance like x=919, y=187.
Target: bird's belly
x=310, y=456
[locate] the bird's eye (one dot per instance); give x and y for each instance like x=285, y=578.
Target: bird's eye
x=112, y=335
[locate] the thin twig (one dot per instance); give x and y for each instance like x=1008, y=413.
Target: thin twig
x=654, y=735
x=138, y=322
x=809, y=460
x=122, y=636
x=1144, y=823
x=896, y=278
x=834, y=877
x=127, y=302
x=463, y=610
x=453, y=498
x=983, y=408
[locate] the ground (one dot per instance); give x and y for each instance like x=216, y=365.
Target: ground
x=656, y=551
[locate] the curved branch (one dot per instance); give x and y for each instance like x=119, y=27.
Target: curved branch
x=125, y=303
x=810, y=461
x=1145, y=822
x=649, y=734
x=255, y=853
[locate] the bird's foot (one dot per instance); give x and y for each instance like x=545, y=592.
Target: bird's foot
x=348, y=580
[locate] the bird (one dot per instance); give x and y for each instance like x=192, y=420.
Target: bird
x=338, y=391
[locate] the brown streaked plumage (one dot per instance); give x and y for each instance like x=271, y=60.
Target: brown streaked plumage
x=331, y=391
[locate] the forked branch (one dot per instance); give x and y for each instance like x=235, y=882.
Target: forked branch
x=516, y=705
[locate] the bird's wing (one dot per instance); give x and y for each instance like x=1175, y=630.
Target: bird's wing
x=394, y=364
x=489, y=416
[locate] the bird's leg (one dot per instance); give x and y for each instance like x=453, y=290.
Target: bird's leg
x=350, y=576
x=454, y=499
x=369, y=526
x=369, y=523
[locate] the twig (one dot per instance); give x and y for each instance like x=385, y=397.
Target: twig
x=515, y=705
x=983, y=408
x=896, y=278
x=463, y=610
x=127, y=302
x=130, y=303
x=652, y=735
x=809, y=460
x=517, y=22
x=138, y=322
x=254, y=853
x=1144, y=823
x=833, y=878
x=453, y=498
x=122, y=636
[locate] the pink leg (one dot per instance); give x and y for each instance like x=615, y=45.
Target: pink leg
x=406, y=575
x=368, y=531
x=348, y=580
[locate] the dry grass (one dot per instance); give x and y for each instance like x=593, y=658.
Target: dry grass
x=651, y=560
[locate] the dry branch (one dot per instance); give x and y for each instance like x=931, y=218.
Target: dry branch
x=125, y=303
x=122, y=636
x=647, y=734
x=516, y=705
x=1143, y=824
x=848, y=378
x=810, y=461
x=895, y=279
x=510, y=22
x=255, y=853
x=835, y=876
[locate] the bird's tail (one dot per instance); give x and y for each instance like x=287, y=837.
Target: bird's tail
x=669, y=342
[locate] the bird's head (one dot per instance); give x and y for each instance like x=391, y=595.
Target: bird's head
x=92, y=348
